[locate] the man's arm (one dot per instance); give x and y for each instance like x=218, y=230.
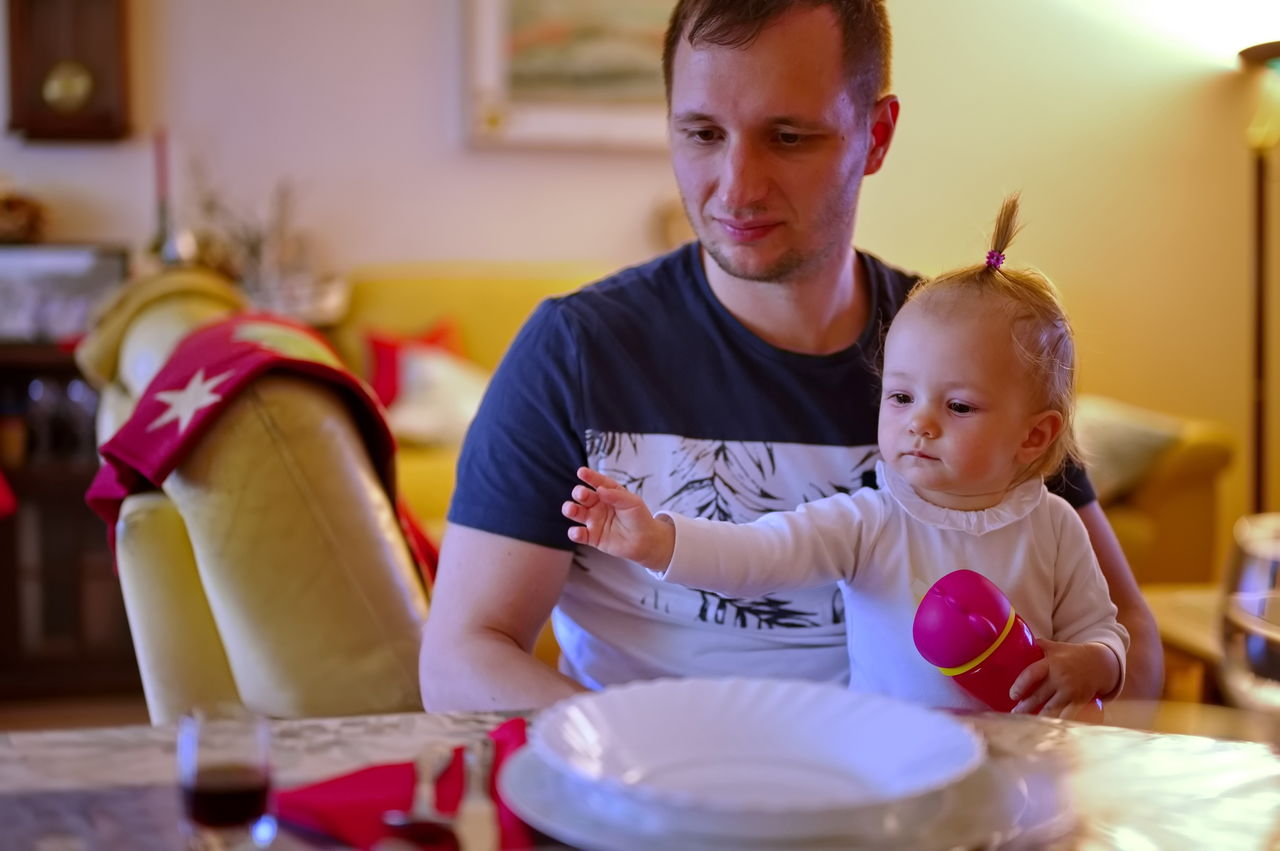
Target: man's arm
x=491, y=598
x=1144, y=677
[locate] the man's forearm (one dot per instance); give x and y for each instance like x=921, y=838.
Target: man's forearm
x=488, y=672
x=492, y=596
x=1144, y=677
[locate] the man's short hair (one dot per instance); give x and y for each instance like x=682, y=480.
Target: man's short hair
x=864, y=28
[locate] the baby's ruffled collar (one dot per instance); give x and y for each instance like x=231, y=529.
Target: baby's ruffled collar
x=1018, y=503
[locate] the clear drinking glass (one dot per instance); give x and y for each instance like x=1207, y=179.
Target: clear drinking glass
x=224, y=776
x=1251, y=616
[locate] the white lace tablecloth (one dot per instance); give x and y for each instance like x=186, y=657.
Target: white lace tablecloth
x=1107, y=787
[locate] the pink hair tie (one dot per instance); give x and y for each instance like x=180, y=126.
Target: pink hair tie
x=995, y=259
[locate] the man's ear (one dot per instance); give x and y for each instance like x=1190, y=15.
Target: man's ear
x=884, y=118
x=1043, y=429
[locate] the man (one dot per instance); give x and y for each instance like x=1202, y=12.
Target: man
x=732, y=377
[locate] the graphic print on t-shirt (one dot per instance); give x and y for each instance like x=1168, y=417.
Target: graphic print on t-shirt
x=734, y=481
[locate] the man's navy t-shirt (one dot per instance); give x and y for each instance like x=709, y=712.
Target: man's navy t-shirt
x=646, y=377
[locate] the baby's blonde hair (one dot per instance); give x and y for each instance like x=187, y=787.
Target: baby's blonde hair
x=1042, y=333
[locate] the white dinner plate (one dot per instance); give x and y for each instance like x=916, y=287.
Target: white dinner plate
x=987, y=809
x=758, y=758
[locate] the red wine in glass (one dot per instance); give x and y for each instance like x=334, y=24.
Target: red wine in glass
x=224, y=776
x=228, y=795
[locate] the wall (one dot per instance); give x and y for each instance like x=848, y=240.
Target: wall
x=1126, y=144
x=1129, y=151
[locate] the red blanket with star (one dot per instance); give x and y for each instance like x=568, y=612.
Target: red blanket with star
x=205, y=372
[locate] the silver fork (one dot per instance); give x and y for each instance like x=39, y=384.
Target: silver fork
x=423, y=821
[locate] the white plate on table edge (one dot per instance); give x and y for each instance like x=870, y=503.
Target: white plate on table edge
x=756, y=749
x=989, y=808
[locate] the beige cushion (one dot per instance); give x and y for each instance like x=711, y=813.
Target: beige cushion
x=1120, y=442
x=439, y=395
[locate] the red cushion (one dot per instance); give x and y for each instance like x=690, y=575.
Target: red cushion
x=385, y=351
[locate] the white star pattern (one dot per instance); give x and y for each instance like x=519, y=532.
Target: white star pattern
x=183, y=404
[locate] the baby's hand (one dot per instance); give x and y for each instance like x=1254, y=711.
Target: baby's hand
x=617, y=522
x=1068, y=678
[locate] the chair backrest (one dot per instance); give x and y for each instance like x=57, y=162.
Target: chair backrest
x=179, y=651
x=316, y=598
x=272, y=569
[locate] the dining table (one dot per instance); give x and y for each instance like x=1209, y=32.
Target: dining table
x=1150, y=778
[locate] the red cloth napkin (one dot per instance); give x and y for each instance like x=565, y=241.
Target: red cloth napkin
x=350, y=807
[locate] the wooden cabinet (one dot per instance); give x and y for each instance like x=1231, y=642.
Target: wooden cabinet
x=62, y=623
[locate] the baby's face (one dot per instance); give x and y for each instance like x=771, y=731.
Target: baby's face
x=956, y=409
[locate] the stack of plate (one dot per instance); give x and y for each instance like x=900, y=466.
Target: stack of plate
x=754, y=762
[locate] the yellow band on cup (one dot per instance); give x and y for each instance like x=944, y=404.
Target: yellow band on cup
x=982, y=657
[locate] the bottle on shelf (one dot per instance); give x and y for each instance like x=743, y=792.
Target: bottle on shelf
x=168, y=246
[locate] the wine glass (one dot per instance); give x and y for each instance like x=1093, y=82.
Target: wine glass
x=1251, y=616
x=224, y=775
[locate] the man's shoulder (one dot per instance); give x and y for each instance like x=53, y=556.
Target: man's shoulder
x=625, y=305
x=890, y=283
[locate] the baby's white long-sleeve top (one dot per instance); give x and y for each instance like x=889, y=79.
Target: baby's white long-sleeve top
x=886, y=547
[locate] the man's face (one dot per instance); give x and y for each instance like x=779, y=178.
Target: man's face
x=769, y=148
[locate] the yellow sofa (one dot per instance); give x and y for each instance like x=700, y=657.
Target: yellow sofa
x=1157, y=479
x=488, y=302
x=1166, y=522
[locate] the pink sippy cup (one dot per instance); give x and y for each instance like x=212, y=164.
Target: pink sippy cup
x=967, y=627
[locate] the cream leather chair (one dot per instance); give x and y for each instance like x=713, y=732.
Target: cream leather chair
x=271, y=570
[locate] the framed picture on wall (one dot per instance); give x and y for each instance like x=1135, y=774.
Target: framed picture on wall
x=566, y=73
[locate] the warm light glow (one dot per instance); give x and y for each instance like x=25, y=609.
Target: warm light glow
x=1217, y=31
